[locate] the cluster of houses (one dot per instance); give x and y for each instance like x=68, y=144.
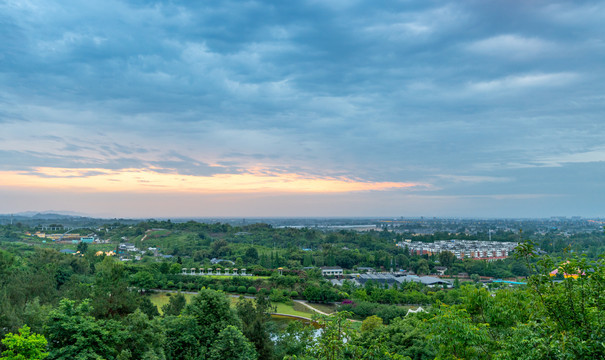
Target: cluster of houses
x=391, y=279
x=127, y=247
x=128, y=251
x=74, y=238
x=463, y=249
x=379, y=278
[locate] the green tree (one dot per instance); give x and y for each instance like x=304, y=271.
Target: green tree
x=25, y=346
x=111, y=297
x=143, y=280
x=143, y=339
x=338, y=341
x=82, y=247
x=519, y=269
x=220, y=248
x=371, y=323
x=423, y=267
x=323, y=293
x=212, y=312
x=147, y=307
x=336, y=333
x=545, y=320
x=73, y=334
x=181, y=338
x=307, y=260
x=294, y=340
x=175, y=305
x=255, y=316
x=35, y=315
x=458, y=337
x=446, y=258
x=571, y=311
x=231, y=344
x=251, y=256
x=406, y=336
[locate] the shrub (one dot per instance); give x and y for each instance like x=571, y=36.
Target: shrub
x=389, y=312
x=364, y=309
x=277, y=295
x=251, y=290
x=241, y=289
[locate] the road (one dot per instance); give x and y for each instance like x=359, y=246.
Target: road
x=303, y=302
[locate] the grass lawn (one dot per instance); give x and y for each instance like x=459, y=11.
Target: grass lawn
x=327, y=308
x=296, y=309
x=158, y=233
x=161, y=299
x=48, y=243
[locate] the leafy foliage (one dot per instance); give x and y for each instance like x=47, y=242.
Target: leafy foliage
x=255, y=323
x=107, y=316
x=548, y=320
x=212, y=313
x=231, y=344
x=73, y=334
x=24, y=346
x=175, y=305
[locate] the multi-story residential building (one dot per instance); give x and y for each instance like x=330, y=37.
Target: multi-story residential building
x=463, y=249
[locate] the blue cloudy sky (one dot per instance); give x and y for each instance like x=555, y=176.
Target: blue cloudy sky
x=303, y=108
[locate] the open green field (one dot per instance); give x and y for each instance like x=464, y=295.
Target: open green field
x=161, y=299
x=296, y=309
x=49, y=244
x=327, y=308
x=158, y=233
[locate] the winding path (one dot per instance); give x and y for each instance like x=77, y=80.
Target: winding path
x=302, y=302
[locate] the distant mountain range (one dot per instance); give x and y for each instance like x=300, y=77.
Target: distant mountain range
x=48, y=214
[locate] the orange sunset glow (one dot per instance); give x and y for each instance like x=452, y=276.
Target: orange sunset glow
x=150, y=180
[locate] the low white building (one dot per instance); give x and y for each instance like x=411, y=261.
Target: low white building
x=331, y=271
x=127, y=247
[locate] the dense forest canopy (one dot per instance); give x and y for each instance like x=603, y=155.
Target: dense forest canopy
x=63, y=299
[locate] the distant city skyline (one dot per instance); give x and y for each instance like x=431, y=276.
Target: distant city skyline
x=312, y=109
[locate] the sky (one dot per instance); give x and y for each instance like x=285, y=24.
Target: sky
x=472, y=108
